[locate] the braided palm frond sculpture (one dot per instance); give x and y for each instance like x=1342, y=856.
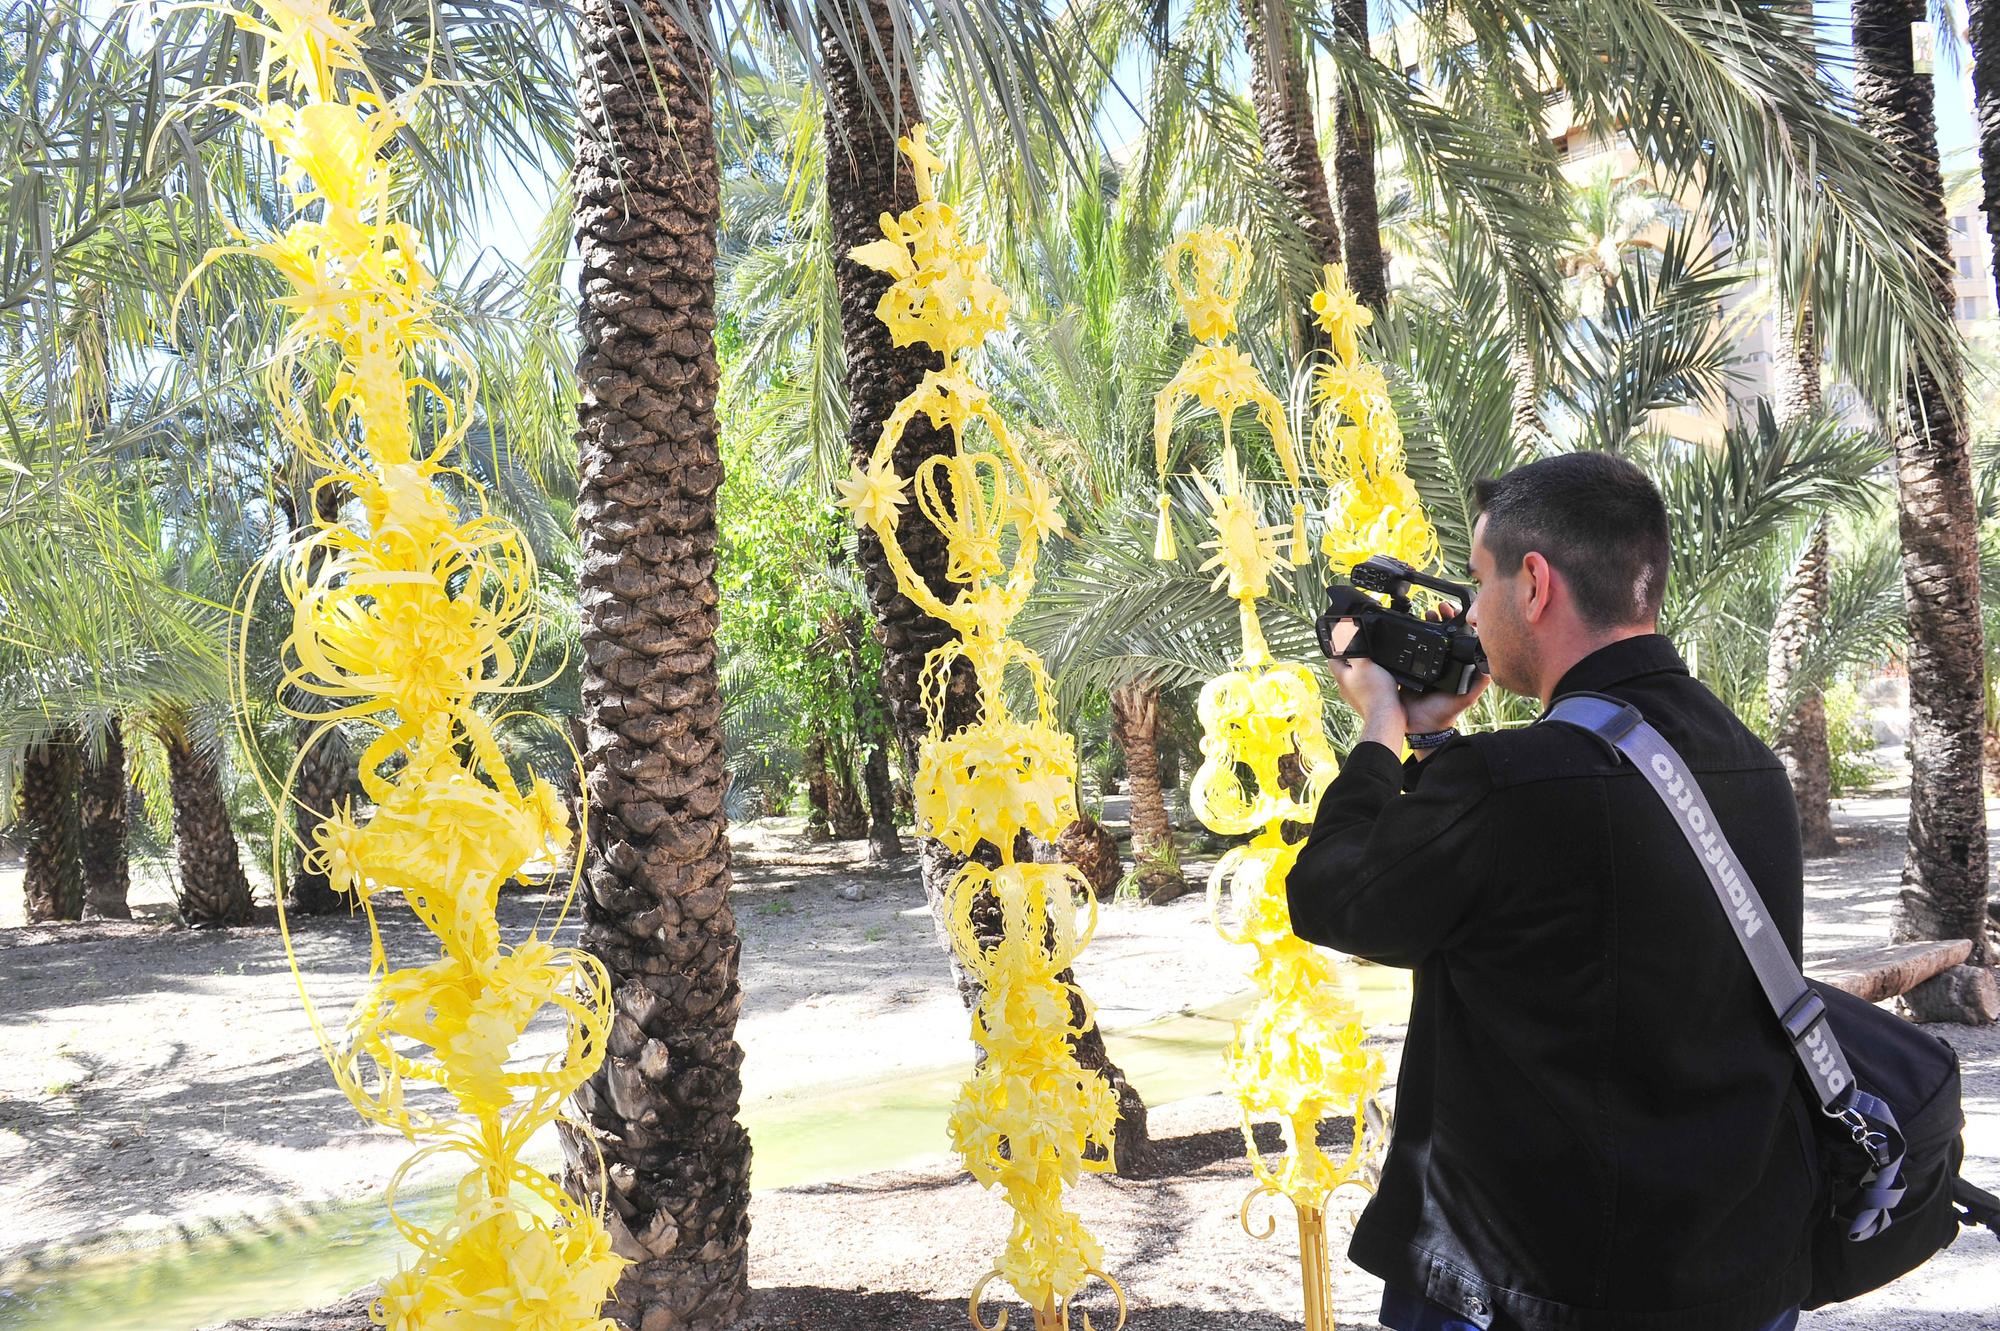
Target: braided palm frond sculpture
x=1297, y=1056
x=404, y=619
x=1029, y=1120
x=1357, y=445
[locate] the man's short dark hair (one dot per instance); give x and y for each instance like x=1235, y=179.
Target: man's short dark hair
x=1597, y=519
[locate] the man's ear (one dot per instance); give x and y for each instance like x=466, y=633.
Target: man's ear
x=1541, y=586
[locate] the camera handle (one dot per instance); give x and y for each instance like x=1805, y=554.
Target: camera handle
x=1389, y=576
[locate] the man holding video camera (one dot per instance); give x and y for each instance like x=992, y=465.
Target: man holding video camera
x=1598, y=1125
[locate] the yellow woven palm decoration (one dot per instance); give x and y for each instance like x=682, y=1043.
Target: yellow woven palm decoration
x=1297, y=1056
x=1207, y=270
x=403, y=620
x=1357, y=445
x=1030, y=1120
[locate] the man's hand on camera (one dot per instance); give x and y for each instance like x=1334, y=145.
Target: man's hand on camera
x=1426, y=712
x=1371, y=691
x=1388, y=712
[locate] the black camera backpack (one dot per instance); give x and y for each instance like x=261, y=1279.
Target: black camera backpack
x=1890, y=1153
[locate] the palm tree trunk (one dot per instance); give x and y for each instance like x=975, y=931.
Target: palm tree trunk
x=1982, y=28
x=47, y=814
x=213, y=889
x=1354, y=172
x=871, y=722
x=329, y=775
x=1135, y=723
x=100, y=801
x=327, y=778
x=848, y=817
x=1945, y=869
x=1799, y=736
x=867, y=107
x=662, y=1109
x=883, y=842
x=819, y=820
x=1525, y=368
x=1283, y=101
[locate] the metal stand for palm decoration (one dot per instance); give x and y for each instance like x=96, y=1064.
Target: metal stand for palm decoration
x=404, y=620
x=1030, y=1119
x=1298, y=1056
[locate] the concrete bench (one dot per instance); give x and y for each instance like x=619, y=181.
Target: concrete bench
x=1876, y=973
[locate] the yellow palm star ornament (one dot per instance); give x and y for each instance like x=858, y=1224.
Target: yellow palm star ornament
x=403, y=621
x=1030, y=1120
x=1208, y=269
x=1357, y=446
x=1297, y=1057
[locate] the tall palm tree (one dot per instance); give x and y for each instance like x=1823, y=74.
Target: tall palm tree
x=46, y=786
x=1354, y=169
x=1284, y=101
x=1135, y=726
x=1945, y=870
x=661, y=1113
x=871, y=98
x=1982, y=30
x=1798, y=729
x=101, y=818
x=213, y=887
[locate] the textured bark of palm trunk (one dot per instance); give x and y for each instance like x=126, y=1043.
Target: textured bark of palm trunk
x=883, y=841
x=868, y=106
x=1945, y=871
x=1283, y=102
x=661, y=1111
x=213, y=888
x=329, y=774
x=1135, y=719
x=1132, y=1141
x=1526, y=398
x=327, y=778
x=848, y=815
x=102, y=828
x=1800, y=737
x=1094, y=852
x=1354, y=173
x=47, y=807
x=1982, y=29
x=819, y=822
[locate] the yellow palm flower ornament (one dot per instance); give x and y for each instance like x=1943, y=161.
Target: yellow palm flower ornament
x=405, y=620
x=1029, y=1120
x=1207, y=270
x=1357, y=446
x=1297, y=1056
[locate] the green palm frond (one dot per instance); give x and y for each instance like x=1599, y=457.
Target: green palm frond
x=1660, y=341
x=1728, y=504
x=1739, y=99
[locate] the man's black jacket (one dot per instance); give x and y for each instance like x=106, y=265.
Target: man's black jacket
x=1597, y=1124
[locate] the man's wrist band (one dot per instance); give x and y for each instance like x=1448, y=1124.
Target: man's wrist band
x=1428, y=739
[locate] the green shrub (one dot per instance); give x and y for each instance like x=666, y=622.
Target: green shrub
x=1850, y=736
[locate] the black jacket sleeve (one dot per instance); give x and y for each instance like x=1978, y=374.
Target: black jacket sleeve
x=1391, y=876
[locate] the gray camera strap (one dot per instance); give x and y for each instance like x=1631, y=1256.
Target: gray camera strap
x=1799, y=1008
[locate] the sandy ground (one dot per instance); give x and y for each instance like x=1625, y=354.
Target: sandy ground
x=154, y=1077
x=178, y=1067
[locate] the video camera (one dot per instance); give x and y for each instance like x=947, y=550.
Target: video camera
x=1424, y=655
